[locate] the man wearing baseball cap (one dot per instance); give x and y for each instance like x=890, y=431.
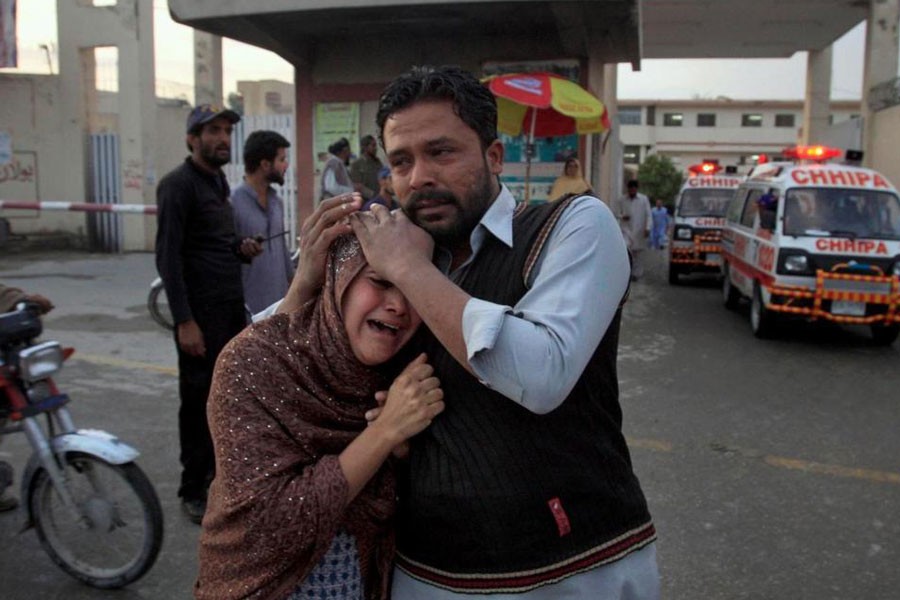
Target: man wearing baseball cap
x=199, y=259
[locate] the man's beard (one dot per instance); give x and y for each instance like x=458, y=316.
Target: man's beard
x=275, y=177
x=457, y=231
x=209, y=155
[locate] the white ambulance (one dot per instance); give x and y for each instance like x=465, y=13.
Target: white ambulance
x=698, y=219
x=815, y=240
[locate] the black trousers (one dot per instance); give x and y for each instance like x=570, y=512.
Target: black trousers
x=219, y=323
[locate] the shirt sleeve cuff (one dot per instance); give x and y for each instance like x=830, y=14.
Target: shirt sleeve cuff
x=481, y=325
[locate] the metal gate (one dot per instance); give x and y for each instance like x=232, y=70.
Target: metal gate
x=105, y=228
x=234, y=171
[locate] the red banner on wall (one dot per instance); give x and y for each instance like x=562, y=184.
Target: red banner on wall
x=8, y=58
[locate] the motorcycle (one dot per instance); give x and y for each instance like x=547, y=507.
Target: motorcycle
x=94, y=510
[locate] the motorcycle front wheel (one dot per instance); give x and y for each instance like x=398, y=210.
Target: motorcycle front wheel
x=120, y=531
x=158, y=305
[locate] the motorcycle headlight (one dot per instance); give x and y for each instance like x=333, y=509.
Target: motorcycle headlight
x=683, y=233
x=40, y=361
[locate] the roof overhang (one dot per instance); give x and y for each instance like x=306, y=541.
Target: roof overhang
x=525, y=29
x=741, y=29
x=607, y=30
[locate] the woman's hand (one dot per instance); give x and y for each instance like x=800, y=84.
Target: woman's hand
x=413, y=400
x=401, y=450
x=317, y=233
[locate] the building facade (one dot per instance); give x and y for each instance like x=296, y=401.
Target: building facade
x=267, y=97
x=734, y=132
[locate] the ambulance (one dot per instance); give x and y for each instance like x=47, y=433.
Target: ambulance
x=699, y=216
x=815, y=240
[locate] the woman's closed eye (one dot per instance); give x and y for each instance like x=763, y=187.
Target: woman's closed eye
x=380, y=283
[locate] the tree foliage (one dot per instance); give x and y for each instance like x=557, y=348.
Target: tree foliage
x=660, y=179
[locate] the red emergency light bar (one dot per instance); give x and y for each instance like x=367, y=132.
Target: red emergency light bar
x=817, y=153
x=705, y=168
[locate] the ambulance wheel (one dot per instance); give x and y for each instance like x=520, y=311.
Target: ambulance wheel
x=730, y=296
x=885, y=335
x=674, y=272
x=762, y=321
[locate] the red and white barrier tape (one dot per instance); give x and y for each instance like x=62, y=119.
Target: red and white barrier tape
x=141, y=209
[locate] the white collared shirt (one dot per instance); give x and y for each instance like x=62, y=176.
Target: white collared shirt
x=534, y=352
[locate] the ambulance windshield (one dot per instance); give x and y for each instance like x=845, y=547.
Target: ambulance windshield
x=842, y=213
x=704, y=202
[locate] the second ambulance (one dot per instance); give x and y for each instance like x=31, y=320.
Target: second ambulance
x=815, y=240
x=698, y=220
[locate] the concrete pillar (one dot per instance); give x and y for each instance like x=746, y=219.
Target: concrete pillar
x=881, y=63
x=137, y=119
x=817, y=103
x=129, y=26
x=304, y=117
x=207, y=68
x=604, y=151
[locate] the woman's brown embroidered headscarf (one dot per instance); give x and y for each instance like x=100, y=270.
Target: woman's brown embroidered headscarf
x=288, y=396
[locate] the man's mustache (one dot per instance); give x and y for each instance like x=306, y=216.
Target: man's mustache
x=439, y=195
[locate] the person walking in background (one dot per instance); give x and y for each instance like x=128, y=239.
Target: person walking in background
x=570, y=182
x=335, y=176
x=524, y=486
x=635, y=219
x=385, y=196
x=199, y=258
x=9, y=298
x=364, y=170
x=660, y=226
x=259, y=213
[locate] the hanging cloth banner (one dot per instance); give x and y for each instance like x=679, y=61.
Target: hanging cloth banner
x=8, y=58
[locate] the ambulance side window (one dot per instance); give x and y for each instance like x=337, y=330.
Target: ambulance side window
x=736, y=206
x=751, y=208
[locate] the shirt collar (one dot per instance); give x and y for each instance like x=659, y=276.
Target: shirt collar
x=496, y=221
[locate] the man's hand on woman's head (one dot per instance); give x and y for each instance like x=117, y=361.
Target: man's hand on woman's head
x=318, y=231
x=390, y=240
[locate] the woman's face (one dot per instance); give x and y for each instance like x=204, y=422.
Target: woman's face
x=571, y=168
x=378, y=319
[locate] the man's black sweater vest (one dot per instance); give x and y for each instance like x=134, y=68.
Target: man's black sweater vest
x=495, y=490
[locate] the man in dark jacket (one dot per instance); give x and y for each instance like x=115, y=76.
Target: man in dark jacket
x=199, y=259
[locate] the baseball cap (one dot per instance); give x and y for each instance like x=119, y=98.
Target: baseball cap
x=204, y=113
x=384, y=172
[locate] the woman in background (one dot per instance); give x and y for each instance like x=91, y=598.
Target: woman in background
x=570, y=182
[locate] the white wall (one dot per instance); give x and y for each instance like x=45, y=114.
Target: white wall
x=29, y=112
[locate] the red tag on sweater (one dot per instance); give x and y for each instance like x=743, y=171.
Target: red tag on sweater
x=559, y=514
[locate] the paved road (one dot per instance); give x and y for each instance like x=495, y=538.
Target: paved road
x=771, y=468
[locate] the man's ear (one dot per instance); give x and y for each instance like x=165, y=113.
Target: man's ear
x=494, y=157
